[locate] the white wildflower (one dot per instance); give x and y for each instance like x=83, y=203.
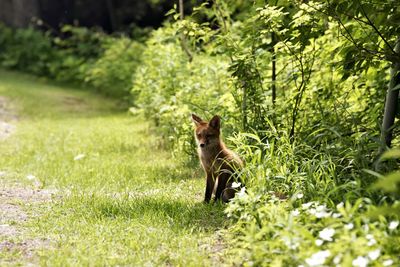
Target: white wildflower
x=295, y=213
x=291, y=243
x=340, y=205
x=299, y=196
x=30, y=177
x=349, y=226
x=236, y=184
x=387, y=262
x=319, y=242
x=371, y=240
x=242, y=192
x=360, y=261
x=369, y=237
x=337, y=259
x=336, y=215
x=79, y=156
x=322, y=214
x=327, y=234
x=312, y=211
x=393, y=225
x=373, y=255
x=318, y=258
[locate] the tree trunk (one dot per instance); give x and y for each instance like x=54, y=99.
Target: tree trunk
x=111, y=15
x=23, y=12
x=391, y=102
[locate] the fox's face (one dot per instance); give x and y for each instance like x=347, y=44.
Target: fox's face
x=206, y=133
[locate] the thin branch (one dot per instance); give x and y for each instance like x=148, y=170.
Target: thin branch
x=376, y=30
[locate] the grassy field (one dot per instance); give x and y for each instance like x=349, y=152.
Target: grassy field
x=119, y=197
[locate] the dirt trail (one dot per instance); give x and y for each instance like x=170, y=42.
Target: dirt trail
x=7, y=118
x=14, y=197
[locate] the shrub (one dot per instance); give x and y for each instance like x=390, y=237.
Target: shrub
x=113, y=71
x=169, y=88
x=26, y=50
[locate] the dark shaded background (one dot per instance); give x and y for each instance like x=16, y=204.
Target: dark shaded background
x=110, y=15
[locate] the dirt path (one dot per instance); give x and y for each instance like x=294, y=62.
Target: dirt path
x=15, y=198
x=7, y=118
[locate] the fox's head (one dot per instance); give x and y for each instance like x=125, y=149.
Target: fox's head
x=207, y=133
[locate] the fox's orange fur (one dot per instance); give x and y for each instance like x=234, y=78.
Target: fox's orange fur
x=218, y=162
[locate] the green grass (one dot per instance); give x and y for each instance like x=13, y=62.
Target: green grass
x=126, y=202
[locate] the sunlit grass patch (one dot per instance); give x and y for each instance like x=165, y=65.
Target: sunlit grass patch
x=121, y=198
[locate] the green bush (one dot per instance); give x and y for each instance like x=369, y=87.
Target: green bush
x=77, y=50
x=113, y=71
x=78, y=55
x=26, y=50
x=169, y=88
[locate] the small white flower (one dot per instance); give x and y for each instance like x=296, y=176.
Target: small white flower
x=318, y=258
x=236, y=184
x=371, y=242
x=337, y=259
x=312, y=211
x=393, y=225
x=373, y=255
x=349, y=226
x=295, y=213
x=321, y=208
x=360, y=261
x=242, y=192
x=327, y=234
x=79, y=157
x=322, y=214
x=299, y=196
x=340, y=205
x=319, y=242
x=31, y=177
x=387, y=262
x=336, y=215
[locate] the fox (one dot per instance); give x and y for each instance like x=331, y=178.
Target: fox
x=219, y=163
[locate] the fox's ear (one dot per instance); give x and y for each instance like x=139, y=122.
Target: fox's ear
x=196, y=119
x=215, y=122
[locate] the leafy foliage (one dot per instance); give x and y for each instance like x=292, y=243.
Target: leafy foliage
x=112, y=72
x=300, y=87
x=78, y=55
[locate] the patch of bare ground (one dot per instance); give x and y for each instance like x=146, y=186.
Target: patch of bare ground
x=75, y=104
x=15, y=199
x=7, y=118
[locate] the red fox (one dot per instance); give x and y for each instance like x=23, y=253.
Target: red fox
x=218, y=162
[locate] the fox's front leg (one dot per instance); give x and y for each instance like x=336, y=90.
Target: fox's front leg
x=223, y=179
x=209, y=188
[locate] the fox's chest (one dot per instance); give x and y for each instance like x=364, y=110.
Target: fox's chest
x=211, y=163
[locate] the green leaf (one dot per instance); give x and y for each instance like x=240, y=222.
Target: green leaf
x=391, y=154
x=389, y=183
